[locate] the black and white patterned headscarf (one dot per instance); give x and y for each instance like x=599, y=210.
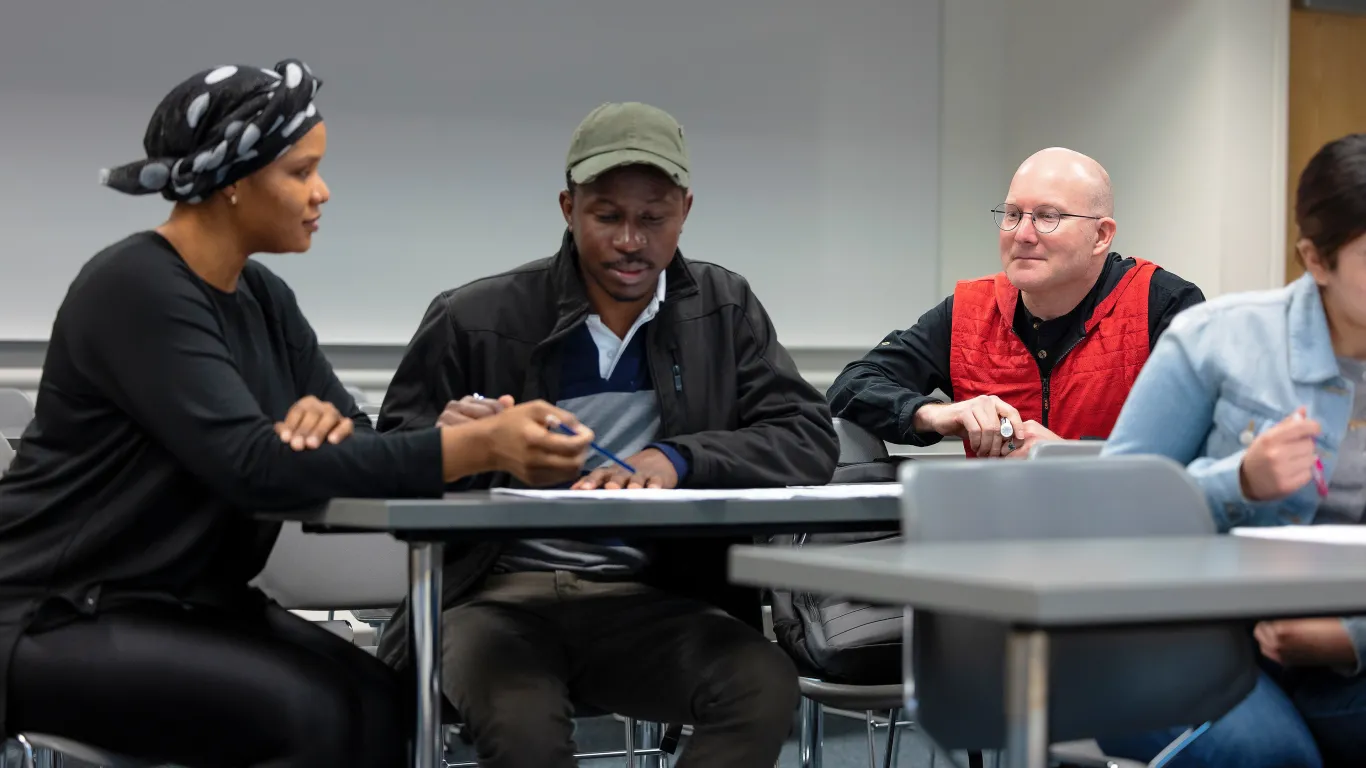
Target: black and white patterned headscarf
x=219, y=126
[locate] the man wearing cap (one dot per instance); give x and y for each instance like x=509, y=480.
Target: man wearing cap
x=676, y=367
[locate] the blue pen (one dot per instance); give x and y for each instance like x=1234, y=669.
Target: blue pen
x=562, y=429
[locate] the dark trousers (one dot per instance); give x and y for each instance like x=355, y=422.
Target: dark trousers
x=203, y=689
x=520, y=651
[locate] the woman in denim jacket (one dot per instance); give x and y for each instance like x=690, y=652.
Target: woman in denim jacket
x=1263, y=397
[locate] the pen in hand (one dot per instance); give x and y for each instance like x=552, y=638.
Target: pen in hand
x=1320, y=479
x=556, y=426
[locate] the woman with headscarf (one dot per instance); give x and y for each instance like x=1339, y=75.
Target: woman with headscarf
x=184, y=391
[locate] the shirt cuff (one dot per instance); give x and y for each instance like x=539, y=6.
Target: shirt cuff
x=1356, y=630
x=1222, y=483
x=675, y=457
x=906, y=423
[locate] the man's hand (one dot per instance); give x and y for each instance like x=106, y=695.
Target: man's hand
x=470, y=408
x=653, y=470
x=977, y=421
x=1306, y=643
x=311, y=421
x=1030, y=432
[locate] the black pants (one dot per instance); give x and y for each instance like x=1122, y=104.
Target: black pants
x=203, y=689
x=519, y=652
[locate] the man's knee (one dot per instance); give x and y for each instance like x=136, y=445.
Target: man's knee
x=520, y=722
x=757, y=681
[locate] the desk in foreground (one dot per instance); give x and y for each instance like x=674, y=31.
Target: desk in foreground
x=486, y=515
x=1038, y=586
x=1079, y=581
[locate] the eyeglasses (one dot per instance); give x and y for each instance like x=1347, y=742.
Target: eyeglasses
x=1046, y=217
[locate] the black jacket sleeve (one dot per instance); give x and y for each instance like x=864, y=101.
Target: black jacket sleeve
x=1168, y=295
x=882, y=391
x=428, y=377
x=785, y=435
x=153, y=344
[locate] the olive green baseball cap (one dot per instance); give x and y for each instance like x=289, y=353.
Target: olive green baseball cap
x=628, y=133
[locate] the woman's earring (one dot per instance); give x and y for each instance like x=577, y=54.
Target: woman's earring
x=233, y=199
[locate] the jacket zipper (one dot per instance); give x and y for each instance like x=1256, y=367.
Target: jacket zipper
x=1047, y=379
x=670, y=409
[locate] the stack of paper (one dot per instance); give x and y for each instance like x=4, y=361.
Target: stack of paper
x=860, y=491
x=1320, y=534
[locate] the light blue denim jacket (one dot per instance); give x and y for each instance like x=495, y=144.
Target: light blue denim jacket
x=1240, y=361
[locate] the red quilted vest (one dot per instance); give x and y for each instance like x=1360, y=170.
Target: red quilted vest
x=1085, y=390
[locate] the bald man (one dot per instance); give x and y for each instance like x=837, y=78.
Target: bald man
x=1050, y=345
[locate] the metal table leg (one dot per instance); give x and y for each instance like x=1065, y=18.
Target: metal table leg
x=650, y=736
x=813, y=724
x=1027, y=699
x=424, y=602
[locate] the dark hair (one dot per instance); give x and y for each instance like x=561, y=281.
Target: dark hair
x=1330, y=203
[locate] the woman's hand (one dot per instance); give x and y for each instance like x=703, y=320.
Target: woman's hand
x=522, y=441
x=1280, y=460
x=1306, y=643
x=311, y=421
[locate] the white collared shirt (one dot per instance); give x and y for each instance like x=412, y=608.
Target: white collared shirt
x=609, y=346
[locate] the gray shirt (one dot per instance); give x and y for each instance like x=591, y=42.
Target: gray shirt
x=1346, y=500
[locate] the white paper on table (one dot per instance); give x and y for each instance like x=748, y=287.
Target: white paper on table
x=853, y=491
x=1319, y=534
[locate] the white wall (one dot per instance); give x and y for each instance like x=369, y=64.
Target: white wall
x=813, y=129
x=1183, y=102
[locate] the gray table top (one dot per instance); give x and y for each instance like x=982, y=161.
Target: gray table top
x=482, y=515
x=1079, y=581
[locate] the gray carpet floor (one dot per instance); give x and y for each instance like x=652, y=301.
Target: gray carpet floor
x=845, y=746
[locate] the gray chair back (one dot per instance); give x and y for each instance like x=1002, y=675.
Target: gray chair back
x=858, y=445
x=335, y=572
x=1056, y=449
x=1103, y=682
x=6, y=455
x=1058, y=499
x=16, y=411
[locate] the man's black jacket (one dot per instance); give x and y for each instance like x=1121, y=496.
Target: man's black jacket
x=730, y=400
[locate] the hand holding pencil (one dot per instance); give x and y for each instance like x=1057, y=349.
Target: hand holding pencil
x=1282, y=460
x=535, y=442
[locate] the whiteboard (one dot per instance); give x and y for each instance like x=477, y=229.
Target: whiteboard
x=813, y=127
